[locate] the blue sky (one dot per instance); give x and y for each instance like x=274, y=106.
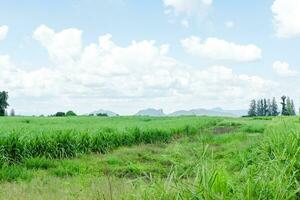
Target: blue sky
x=48, y=65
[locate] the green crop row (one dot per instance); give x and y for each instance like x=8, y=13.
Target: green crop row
x=17, y=146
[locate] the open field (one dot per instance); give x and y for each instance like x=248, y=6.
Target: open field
x=150, y=158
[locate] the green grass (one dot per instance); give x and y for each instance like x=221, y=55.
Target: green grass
x=23, y=138
x=170, y=158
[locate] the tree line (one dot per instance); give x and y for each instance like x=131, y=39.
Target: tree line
x=268, y=107
x=260, y=107
x=4, y=105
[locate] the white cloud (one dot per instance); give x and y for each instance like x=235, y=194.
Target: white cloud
x=64, y=45
x=287, y=18
x=187, y=7
x=229, y=24
x=3, y=32
x=186, y=10
x=106, y=71
x=185, y=23
x=218, y=49
x=283, y=69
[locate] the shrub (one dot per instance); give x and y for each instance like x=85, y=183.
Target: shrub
x=102, y=114
x=70, y=113
x=60, y=114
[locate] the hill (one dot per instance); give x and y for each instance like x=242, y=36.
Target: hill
x=151, y=112
x=101, y=111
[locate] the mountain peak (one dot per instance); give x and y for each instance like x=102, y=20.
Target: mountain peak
x=151, y=112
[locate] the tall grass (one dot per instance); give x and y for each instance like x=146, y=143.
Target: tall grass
x=267, y=169
x=62, y=139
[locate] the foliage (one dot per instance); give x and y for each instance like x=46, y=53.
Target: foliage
x=102, y=115
x=3, y=102
x=252, y=110
x=257, y=158
x=69, y=137
x=60, y=114
x=266, y=107
x=70, y=113
x=12, y=113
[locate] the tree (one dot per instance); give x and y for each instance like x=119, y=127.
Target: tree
x=284, y=110
x=274, y=107
x=252, y=109
x=260, y=108
x=265, y=108
x=293, y=113
x=60, y=114
x=288, y=106
x=269, y=108
x=12, y=113
x=3, y=102
x=102, y=115
x=70, y=113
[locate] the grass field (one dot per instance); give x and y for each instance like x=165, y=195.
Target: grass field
x=149, y=158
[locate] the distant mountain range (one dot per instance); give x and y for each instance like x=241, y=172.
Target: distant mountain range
x=210, y=112
x=198, y=112
x=151, y=112
x=101, y=111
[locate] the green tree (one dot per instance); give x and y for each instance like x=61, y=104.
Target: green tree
x=274, y=109
x=102, y=115
x=70, y=113
x=60, y=114
x=12, y=113
x=269, y=108
x=293, y=109
x=284, y=110
x=260, y=107
x=3, y=102
x=289, y=106
x=265, y=108
x=252, y=109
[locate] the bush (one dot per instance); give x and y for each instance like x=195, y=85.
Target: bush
x=102, y=115
x=70, y=113
x=60, y=114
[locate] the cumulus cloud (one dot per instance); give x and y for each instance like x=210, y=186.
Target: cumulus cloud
x=218, y=49
x=187, y=7
x=61, y=46
x=3, y=32
x=140, y=70
x=283, y=69
x=287, y=18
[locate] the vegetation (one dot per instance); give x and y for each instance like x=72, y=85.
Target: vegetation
x=3, y=103
x=153, y=158
x=266, y=107
x=102, y=115
x=23, y=138
x=12, y=113
x=70, y=113
x=60, y=114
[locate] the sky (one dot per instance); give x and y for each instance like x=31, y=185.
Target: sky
x=127, y=55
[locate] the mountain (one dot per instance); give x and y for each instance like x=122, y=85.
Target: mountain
x=109, y=113
x=151, y=112
x=210, y=112
x=234, y=112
